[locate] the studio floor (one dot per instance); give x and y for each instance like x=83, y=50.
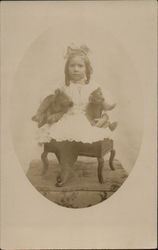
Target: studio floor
x=83, y=188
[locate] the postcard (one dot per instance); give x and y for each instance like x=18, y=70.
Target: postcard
x=78, y=124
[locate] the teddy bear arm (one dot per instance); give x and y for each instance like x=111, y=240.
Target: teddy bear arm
x=54, y=117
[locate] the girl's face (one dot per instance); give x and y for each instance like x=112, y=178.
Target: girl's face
x=77, y=68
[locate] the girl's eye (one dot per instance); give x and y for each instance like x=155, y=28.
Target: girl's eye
x=72, y=65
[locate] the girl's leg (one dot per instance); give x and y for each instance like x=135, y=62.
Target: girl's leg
x=58, y=157
x=68, y=152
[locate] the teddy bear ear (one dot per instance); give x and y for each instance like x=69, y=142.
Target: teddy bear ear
x=57, y=92
x=90, y=98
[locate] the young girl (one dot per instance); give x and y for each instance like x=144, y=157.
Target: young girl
x=74, y=125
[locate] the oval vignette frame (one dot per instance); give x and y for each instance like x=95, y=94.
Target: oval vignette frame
x=42, y=65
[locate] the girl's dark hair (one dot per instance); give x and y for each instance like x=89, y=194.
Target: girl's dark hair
x=89, y=69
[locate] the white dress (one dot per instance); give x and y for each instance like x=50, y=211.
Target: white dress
x=74, y=125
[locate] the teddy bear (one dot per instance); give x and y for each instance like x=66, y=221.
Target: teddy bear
x=96, y=110
x=52, y=108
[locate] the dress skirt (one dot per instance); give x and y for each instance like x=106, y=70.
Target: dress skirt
x=72, y=127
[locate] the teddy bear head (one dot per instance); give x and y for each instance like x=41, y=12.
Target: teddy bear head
x=62, y=99
x=96, y=96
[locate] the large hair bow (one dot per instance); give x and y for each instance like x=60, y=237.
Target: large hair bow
x=72, y=50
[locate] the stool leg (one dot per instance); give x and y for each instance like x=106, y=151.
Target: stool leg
x=44, y=161
x=112, y=155
x=100, y=169
x=58, y=158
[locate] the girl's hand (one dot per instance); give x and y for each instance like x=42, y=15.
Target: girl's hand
x=103, y=121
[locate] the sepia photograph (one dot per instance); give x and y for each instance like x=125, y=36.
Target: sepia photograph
x=78, y=117
x=76, y=100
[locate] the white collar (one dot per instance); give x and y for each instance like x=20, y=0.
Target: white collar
x=82, y=82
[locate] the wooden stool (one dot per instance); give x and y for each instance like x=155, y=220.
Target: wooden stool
x=96, y=149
